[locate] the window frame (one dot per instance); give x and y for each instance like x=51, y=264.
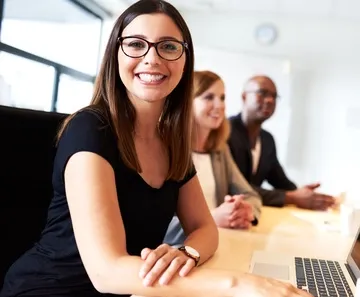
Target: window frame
x=89, y=7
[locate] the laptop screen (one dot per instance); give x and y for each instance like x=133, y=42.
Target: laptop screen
x=354, y=256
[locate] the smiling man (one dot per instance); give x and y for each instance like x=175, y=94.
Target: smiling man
x=254, y=150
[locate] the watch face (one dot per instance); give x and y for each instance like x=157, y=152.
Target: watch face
x=192, y=251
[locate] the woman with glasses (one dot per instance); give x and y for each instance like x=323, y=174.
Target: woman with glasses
x=230, y=198
x=123, y=167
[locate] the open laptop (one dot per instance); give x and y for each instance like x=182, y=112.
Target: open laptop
x=319, y=277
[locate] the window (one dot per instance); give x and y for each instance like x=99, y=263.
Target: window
x=73, y=94
x=49, y=53
x=25, y=83
x=56, y=30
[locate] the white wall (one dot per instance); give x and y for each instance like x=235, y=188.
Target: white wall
x=308, y=40
x=332, y=133
x=317, y=123
x=235, y=68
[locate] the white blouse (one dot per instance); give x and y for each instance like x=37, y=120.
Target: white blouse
x=256, y=153
x=203, y=166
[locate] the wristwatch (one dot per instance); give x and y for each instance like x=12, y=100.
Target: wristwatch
x=191, y=253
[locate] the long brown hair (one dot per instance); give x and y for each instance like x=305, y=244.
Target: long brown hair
x=111, y=100
x=217, y=139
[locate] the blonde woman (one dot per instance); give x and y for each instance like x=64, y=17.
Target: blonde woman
x=232, y=201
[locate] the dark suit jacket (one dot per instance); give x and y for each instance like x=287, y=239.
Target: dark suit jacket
x=269, y=168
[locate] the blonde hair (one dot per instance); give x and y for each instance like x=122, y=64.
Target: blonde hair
x=217, y=139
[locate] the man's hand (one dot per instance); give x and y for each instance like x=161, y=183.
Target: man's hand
x=235, y=213
x=306, y=197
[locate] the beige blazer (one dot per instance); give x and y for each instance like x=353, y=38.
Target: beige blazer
x=228, y=181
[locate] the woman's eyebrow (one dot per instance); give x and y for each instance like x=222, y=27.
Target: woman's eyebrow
x=161, y=38
x=167, y=38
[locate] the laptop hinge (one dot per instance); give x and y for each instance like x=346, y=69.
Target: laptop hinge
x=353, y=277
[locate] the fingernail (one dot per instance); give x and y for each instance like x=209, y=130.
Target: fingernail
x=162, y=281
x=146, y=282
x=142, y=273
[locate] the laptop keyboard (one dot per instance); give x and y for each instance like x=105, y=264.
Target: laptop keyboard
x=321, y=278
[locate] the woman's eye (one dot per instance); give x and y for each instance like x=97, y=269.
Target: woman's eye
x=169, y=46
x=209, y=97
x=136, y=44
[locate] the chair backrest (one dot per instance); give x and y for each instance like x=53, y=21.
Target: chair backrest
x=27, y=150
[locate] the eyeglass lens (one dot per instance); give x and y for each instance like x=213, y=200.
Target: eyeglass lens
x=167, y=49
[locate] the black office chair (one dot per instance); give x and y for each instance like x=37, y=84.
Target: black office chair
x=27, y=150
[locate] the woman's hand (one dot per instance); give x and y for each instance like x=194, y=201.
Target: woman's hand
x=256, y=286
x=163, y=263
x=234, y=213
x=243, y=215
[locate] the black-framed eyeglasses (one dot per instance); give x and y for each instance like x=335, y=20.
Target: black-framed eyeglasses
x=137, y=47
x=264, y=93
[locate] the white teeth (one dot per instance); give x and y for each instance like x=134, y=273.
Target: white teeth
x=150, y=77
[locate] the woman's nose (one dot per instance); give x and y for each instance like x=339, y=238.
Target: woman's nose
x=152, y=57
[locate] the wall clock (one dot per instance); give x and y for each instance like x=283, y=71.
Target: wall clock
x=266, y=34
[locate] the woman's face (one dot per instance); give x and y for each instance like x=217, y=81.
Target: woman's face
x=151, y=78
x=209, y=107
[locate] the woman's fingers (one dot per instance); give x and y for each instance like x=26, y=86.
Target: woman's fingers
x=172, y=269
x=163, y=263
x=145, y=253
x=190, y=264
x=240, y=223
x=152, y=258
x=161, y=266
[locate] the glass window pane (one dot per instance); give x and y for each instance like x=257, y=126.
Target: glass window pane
x=25, y=83
x=57, y=30
x=73, y=94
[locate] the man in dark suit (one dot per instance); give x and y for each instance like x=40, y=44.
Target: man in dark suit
x=254, y=150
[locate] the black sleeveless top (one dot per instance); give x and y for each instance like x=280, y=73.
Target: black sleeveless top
x=53, y=266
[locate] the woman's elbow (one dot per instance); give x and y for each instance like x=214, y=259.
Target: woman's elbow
x=100, y=280
x=106, y=278
x=99, y=286
x=102, y=274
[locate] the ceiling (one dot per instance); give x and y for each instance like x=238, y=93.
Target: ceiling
x=302, y=8
x=65, y=10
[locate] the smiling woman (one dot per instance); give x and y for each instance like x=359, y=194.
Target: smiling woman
x=158, y=72
x=122, y=169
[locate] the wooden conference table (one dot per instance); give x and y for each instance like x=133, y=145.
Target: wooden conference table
x=286, y=230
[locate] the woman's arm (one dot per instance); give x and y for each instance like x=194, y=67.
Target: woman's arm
x=100, y=235
x=196, y=220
